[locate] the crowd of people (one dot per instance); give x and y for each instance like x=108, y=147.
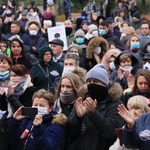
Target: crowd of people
x=94, y=95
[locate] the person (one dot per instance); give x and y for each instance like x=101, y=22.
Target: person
x=109, y=58
x=137, y=105
x=33, y=29
x=126, y=63
x=32, y=14
x=19, y=92
x=136, y=20
x=57, y=48
x=4, y=45
x=138, y=86
x=146, y=61
x=106, y=33
x=46, y=73
x=96, y=114
x=45, y=130
x=135, y=129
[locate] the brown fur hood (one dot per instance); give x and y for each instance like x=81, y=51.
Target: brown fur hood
x=32, y=22
x=96, y=42
x=115, y=91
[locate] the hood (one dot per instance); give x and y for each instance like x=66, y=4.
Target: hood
x=145, y=40
x=115, y=91
x=95, y=42
x=42, y=50
x=134, y=58
x=32, y=22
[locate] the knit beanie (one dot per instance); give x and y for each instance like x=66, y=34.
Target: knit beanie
x=79, y=33
x=91, y=28
x=47, y=22
x=98, y=72
x=137, y=15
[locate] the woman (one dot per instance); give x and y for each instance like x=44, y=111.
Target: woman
x=141, y=86
x=45, y=131
x=5, y=65
x=20, y=90
x=137, y=105
x=33, y=15
x=18, y=54
x=67, y=93
x=135, y=129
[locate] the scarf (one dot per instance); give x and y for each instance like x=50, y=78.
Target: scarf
x=4, y=75
x=47, y=15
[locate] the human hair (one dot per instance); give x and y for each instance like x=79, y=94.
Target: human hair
x=75, y=82
x=139, y=102
x=18, y=23
x=125, y=22
x=104, y=23
x=16, y=40
x=146, y=74
x=20, y=70
x=8, y=59
x=129, y=41
x=145, y=22
x=124, y=57
x=42, y=93
x=74, y=56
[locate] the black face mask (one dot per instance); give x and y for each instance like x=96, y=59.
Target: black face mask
x=97, y=92
x=68, y=31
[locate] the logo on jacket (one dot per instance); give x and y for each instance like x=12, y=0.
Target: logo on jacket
x=144, y=135
x=54, y=73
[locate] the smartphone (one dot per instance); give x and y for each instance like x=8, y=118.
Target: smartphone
x=29, y=111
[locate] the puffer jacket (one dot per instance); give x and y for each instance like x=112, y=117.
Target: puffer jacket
x=97, y=131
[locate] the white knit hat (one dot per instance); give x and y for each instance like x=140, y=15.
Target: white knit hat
x=91, y=28
x=47, y=22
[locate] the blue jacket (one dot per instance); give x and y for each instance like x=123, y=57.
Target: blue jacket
x=47, y=136
x=139, y=135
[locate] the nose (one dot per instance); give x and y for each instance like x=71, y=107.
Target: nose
x=64, y=89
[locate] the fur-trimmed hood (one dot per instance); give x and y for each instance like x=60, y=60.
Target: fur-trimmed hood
x=32, y=22
x=114, y=91
x=96, y=42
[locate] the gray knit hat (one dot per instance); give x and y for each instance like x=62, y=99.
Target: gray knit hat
x=98, y=72
x=91, y=28
x=79, y=33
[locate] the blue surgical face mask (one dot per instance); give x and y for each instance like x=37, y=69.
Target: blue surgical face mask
x=79, y=40
x=135, y=45
x=102, y=31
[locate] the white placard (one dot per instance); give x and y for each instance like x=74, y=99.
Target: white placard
x=58, y=32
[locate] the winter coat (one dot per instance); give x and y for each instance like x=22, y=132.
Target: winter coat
x=91, y=57
x=135, y=63
x=43, y=137
x=97, y=131
x=110, y=37
x=140, y=133
x=52, y=69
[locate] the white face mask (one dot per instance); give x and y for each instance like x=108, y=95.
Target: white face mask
x=148, y=48
x=112, y=65
x=97, y=50
x=33, y=32
x=126, y=68
x=10, y=19
x=67, y=69
x=41, y=110
x=147, y=66
x=95, y=33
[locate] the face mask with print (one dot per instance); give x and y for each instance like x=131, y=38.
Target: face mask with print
x=146, y=66
x=148, y=48
x=95, y=33
x=41, y=110
x=112, y=66
x=33, y=32
x=79, y=40
x=67, y=69
x=102, y=31
x=97, y=50
x=126, y=68
x=135, y=45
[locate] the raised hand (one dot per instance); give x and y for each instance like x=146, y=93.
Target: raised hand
x=127, y=115
x=120, y=74
x=10, y=90
x=90, y=105
x=130, y=81
x=38, y=120
x=18, y=114
x=80, y=107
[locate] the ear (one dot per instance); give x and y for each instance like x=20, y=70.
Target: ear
x=50, y=109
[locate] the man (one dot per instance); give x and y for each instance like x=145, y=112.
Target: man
x=144, y=29
x=94, y=119
x=47, y=71
x=106, y=33
x=69, y=31
x=57, y=48
x=16, y=29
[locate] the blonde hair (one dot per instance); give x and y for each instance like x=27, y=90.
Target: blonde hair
x=125, y=57
x=139, y=102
